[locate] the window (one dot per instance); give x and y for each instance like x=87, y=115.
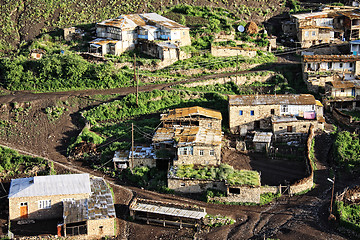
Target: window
x=304, y=126
x=241, y=112
x=309, y=66
x=210, y=125
x=234, y=190
x=272, y=111
x=280, y=127
x=182, y=184
x=313, y=33
x=340, y=65
x=186, y=151
x=342, y=90
x=23, y=204
x=330, y=65
x=284, y=108
x=68, y=199
x=306, y=33
x=252, y=113
x=212, y=152
x=214, y=185
x=44, y=204
x=201, y=152
x=350, y=65
x=183, y=33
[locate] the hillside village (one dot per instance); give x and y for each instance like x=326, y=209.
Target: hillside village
x=189, y=122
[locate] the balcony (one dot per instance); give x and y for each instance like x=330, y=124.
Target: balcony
x=165, y=37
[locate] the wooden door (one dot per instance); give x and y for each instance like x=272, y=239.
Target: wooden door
x=289, y=129
x=23, y=210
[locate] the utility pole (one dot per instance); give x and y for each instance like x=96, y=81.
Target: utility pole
x=237, y=67
x=331, y=216
x=135, y=79
x=132, y=147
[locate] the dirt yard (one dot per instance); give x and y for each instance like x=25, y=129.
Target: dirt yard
x=301, y=217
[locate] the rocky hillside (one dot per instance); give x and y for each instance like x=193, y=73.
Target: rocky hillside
x=23, y=20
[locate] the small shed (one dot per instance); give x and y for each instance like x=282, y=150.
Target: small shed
x=262, y=141
x=166, y=213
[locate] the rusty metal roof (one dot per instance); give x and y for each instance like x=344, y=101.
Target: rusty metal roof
x=345, y=84
x=124, y=22
x=99, y=205
x=191, y=111
x=284, y=99
x=169, y=209
x=101, y=41
x=331, y=58
x=188, y=135
x=355, y=14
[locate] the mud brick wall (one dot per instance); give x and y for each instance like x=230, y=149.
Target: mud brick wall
x=219, y=51
x=196, y=159
x=314, y=82
x=194, y=186
x=246, y=120
x=101, y=227
x=56, y=210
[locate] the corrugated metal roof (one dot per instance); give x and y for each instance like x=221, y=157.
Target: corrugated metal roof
x=50, y=185
x=263, y=137
x=279, y=119
x=331, y=58
x=310, y=15
x=191, y=111
x=285, y=99
x=188, y=134
x=124, y=22
x=168, y=209
x=99, y=205
x=101, y=41
x=163, y=21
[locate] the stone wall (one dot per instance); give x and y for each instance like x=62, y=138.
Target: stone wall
x=270, y=189
x=101, y=227
x=194, y=185
x=56, y=210
x=141, y=162
x=313, y=82
x=341, y=117
x=220, y=51
x=307, y=182
x=246, y=194
x=197, y=159
x=300, y=126
x=238, y=80
x=242, y=123
x=210, y=124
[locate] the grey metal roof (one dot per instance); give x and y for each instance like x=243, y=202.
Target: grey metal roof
x=50, y=185
x=278, y=119
x=99, y=205
x=264, y=137
x=167, y=210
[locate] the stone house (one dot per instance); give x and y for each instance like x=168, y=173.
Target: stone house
x=255, y=112
x=191, y=144
x=121, y=34
x=351, y=23
x=73, y=199
x=313, y=35
x=319, y=69
x=193, y=134
x=343, y=89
